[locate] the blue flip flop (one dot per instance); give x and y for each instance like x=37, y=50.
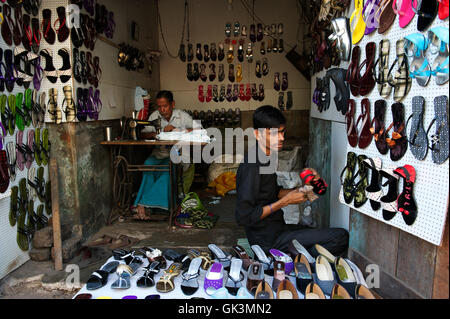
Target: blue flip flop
x=415, y=46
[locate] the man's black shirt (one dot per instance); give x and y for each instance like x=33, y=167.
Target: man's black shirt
x=254, y=191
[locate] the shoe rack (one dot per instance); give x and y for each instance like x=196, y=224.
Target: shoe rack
x=10, y=251
x=431, y=190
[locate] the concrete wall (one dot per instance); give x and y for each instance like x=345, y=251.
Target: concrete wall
x=207, y=25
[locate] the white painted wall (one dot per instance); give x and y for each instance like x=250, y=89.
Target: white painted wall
x=207, y=25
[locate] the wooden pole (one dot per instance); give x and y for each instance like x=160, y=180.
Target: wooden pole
x=57, y=242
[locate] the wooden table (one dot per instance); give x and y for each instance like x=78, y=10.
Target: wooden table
x=121, y=166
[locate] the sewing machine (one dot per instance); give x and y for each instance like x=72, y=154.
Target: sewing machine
x=132, y=127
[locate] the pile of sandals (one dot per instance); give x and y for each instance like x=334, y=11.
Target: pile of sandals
x=330, y=44
x=192, y=214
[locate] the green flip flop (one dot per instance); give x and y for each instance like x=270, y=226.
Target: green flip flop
x=40, y=184
x=362, y=184
x=12, y=114
x=48, y=198
x=3, y=99
x=45, y=148
x=13, y=206
x=23, y=234
x=37, y=146
x=28, y=103
x=42, y=220
x=32, y=220
x=20, y=115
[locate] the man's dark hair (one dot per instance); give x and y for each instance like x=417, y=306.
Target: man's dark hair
x=165, y=95
x=268, y=117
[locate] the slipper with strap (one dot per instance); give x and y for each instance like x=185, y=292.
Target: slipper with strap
x=37, y=146
x=418, y=139
x=406, y=203
x=419, y=68
x=403, y=8
x=29, y=147
x=401, y=82
x=362, y=184
x=440, y=140
x=48, y=198
x=357, y=24
x=352, y=133
x=370, y=10
x=13, y=207
x=367, y=81
x=443, y=10
x=189, y=285
x=365, y=137
x=4, y=172
x=398, y=143
x=438, y=40
x=374, y=191
x=383, y=69
x=99, y=278
x=20, y=114
x=11, y=154
x=12, y=114
x=23, y=233
x=45, y=147
x=426, y=11
x=147, y=280
x=385, y=15
x=166, y=282
x=347, y=183
x=389, y=201
x=39, y=184
x=20, y=155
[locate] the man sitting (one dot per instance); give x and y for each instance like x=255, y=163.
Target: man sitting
x=260, y=199
x=154, y=191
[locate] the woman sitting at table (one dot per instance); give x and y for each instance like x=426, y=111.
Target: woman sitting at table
x=155, y=186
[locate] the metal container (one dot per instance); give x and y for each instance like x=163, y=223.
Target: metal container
x=108, y=137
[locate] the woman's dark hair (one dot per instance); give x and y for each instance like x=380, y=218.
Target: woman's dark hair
x=165, y=95
x=268, y=117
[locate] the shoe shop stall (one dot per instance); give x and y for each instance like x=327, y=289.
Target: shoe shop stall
x=386, y=96
x=363, y=85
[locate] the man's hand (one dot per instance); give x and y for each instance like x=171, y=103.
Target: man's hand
x=169, y=128
x=316, y=175
x=294, y=197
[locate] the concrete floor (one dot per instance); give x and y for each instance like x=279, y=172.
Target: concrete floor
x=36, y=280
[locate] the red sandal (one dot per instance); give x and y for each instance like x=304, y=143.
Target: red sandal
x=201, y=95
x=365, y=137
x=352, y=133
x=47, y=30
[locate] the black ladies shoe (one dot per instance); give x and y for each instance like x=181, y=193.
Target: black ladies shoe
x=198, y=52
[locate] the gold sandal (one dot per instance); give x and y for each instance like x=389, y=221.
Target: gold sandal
x=166, y=282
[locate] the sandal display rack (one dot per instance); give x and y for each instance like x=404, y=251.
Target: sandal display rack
x=431, y=187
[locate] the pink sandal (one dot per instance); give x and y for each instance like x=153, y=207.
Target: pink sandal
x=20, y=152
x=404, y=10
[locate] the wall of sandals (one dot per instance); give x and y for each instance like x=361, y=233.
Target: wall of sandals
x=116, y=84
x=219, y=70
x=38, y=86
x=397, y=72
x=25, y=190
